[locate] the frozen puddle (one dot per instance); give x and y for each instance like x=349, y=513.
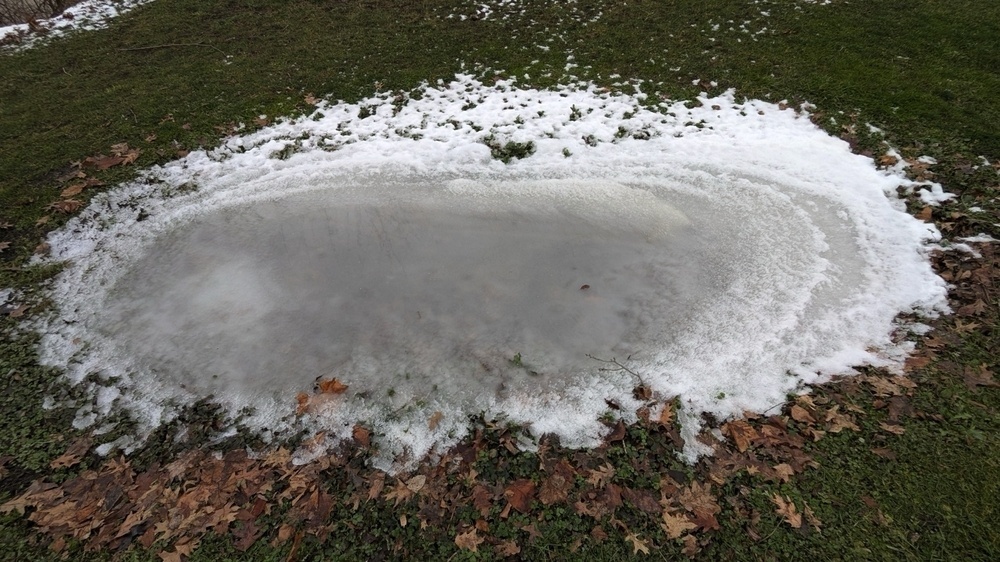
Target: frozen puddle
x=435, y=296
x=730, y=254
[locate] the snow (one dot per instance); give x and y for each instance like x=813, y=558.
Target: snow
x=807, y=255
x=85, y=16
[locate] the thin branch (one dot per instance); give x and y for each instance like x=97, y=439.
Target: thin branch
x=168, y=45
x=618, y=367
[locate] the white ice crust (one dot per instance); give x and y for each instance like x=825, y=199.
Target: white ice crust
x=828, y=257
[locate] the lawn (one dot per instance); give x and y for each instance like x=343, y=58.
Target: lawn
x=867, y=468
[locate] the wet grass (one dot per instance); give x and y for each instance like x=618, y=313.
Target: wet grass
x=179, y=74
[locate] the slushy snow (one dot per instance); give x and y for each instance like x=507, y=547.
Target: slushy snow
x=805, y=258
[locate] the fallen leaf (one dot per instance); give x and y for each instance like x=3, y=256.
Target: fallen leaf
x=102, y=162
x=666, y=414
x=978, y=376
x=741, y=433
x=811, y=517
x=675, y=525
x=974, y=309
x=4, y=246
x=303, y=403
x=67, y=206
x=554, y=489
x=434, y=420
x=376, y=486
x=638, y=545
x=41, y=221
x=416, y=483
x=361, y=435
x=519, y=494
x=784, y=471
x=691, y=547
x=786, y=509
x=887, y=454
x=73, y=190
x=469, y=540
x=507, y=548
x=801, y=415
x=311, y=99
x=19, y=311
x=926, y=214
x=601, y=476
x=73, y=455
x=892, y=428
x=331, y=386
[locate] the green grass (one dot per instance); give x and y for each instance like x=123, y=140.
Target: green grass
x=923, y=71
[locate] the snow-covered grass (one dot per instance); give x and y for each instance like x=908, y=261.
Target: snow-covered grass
x=89, y=15
x=809, y=254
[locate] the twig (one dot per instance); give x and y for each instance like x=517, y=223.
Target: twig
x=168, y=45
x=618, y=367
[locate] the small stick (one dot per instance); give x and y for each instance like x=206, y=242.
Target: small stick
x=167, y=45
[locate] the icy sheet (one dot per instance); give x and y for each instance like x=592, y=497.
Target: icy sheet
x=739, y=253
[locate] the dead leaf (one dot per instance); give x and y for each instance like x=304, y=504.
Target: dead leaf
x=801, y=415
x=4, y=246
x=741, y=433
x=376, y=486
x=416, y=483
x=303, y=403
x=469, y=540
x=601, y=476
x=73, y=455
x=787, y=509
x=311, y=99
x=675, y=525
x=978, y=376
x=67, y=206
x=666, y=414
x=72, y=190
x=434, y=420
x=974, y=309
x=926, y=214
x=507, y=548
x=102, y=162
x=42, y=220
x=362, y=435
x=784, y=471
x=811, y=517
x=887, y=454
x=519, y=494
x=638, y=545
x=19, y=311
x=332, y=386
x=892, y=428
x=691, y=547
x=839, y=422
x=554, y=489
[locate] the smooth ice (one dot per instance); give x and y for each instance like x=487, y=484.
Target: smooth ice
x=439, y=295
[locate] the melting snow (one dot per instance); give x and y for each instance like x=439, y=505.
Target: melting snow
x=762, y=256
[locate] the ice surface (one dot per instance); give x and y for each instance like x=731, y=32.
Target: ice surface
x=734, y=253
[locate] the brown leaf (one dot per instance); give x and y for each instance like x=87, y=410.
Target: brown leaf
x=892, y=428
x=555, y=489
x=598, y=534
x=331, y=386
x=638, y=545
x=73, y=454
x=801, y=415
x=974, y=309
x=887, y=454
x=361, y=435
x=601, y=476
x=4, y=246
x=839, y=422
x=811, y=517
x=784, y=471
x=66, y=206
x=916, y=362
x=434, y=420
x=416, y=483
x=376, y=485
x=303, y=403
x=666, y=414
x=519, y=494
x=691, y=547
x=741, y=433
x=972, y=376
x=675, y=525
x=926, y=214
x=102, y=162
x=787, y=509
x=618, y=433
x=19, y=311
x=42, y=220
x=482, y=500
x=469, y=540
x=72, y=190
x=311, y=99
x=507, y=548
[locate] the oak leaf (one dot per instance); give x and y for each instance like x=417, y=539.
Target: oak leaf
x=801, y=415
x=638, y=545
x=554, y=489
x=469, y=540
x=787, y=509
x=331, y=386
x=601, y=476
x=507, y=548
x=666, y=414
x=73, y=455
x=675, y=525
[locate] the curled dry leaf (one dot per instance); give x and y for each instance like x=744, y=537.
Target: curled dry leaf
x=434, y=420
x=638, y=545
x=331, y=386
x=675, y=525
